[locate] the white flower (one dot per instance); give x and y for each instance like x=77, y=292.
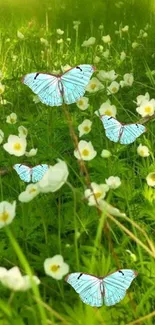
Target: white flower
x=83, y=103
x=65, y=68
x=68, y=39
x=22, y=131
x=1, y=136
x=97, y=193
x=107, y=75
x=15, y=146
x=134, y=45
x=31, y=153
x=151, y=179
x=14, y=280
x=105, y=153
x=12, y=118
x=128, y=80
x=60, y=41
x=7, y=213
x=55, y=177
x=97, y=59
x=125, y=28
x=36, y=99
x=122, y=56
x=107, y=109
x=147, y=108
x=106, y=39
x=56, y=267
x=2, y=88
x=4, y=101
x=141, y=98
x=106, y=54
x=113, y=182
x=60, y=31
x=84, y=127
x=100, y=48
x=20, y=35
x=85, y=151
x=101, y=27
x=143, y=151
x=105, y=206
x=44, y=41
x=31, y=191
x=113, y=88
x=91, y=41
x=94, y=85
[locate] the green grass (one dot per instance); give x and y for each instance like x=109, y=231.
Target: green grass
x=48, y=225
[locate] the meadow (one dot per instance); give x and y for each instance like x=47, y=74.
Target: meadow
x=96, y=214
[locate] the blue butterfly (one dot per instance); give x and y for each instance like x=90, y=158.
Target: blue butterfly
x=53, y=90
x=117, y=132
x=28, y=174
x=94, y=290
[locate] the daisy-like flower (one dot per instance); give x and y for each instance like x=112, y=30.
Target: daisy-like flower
x=31, y=153
x=94, y=85
x=91, y=41
x=85, y=151
x=143, y=151
x=15, y=146
x=128, y=80
x=1, y=136
x=56, y=267
x=60, y=31
x=97, y=193
x=106, y=39
x=105, y=153
x=84, y=127
x=68, y=39
x=105, y=206
x=20, y=35
x=147, y=108
x=106, y=54
x=14, y=280
x=44, y=41
x=107, y=75
x=122, y=56
x=22, y=131
x=113, y=88
x=7, y=213
x=83, y=103
x=151, y=179
x=60, y=41
x=134, y=45
x=12, y=118
x=55, y=177
x=2, y=88
x=113, y=182
x=107, y=109
x=141, y=98
x=31, y=191
x=125, y=29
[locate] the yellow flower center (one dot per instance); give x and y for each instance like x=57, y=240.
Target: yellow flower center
x=93, y=86
x=153, y=177
x=32, y=190
x=114, y=89
x=148, y=109
x=17, y=146
x=107, y=112
x=80, y=102
x=142, y=153
x=4, y=216
x=54, y=268
x=85, y=152
x=86, y=128
x=98, y=194
x=12, y=120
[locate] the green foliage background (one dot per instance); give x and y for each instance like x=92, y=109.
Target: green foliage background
x=49, y=224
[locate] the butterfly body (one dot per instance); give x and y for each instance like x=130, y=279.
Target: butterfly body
x=54, y=90
x=119, y=132
x=95, y=291
x=28, y=174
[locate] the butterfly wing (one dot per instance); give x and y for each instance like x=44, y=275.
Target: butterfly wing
x=24, y=172
x=89, y=288
x=116, y=284
x=74, y=82
x=38, y=172
x=112, y=127
x=131, y=132
x=46, y=86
